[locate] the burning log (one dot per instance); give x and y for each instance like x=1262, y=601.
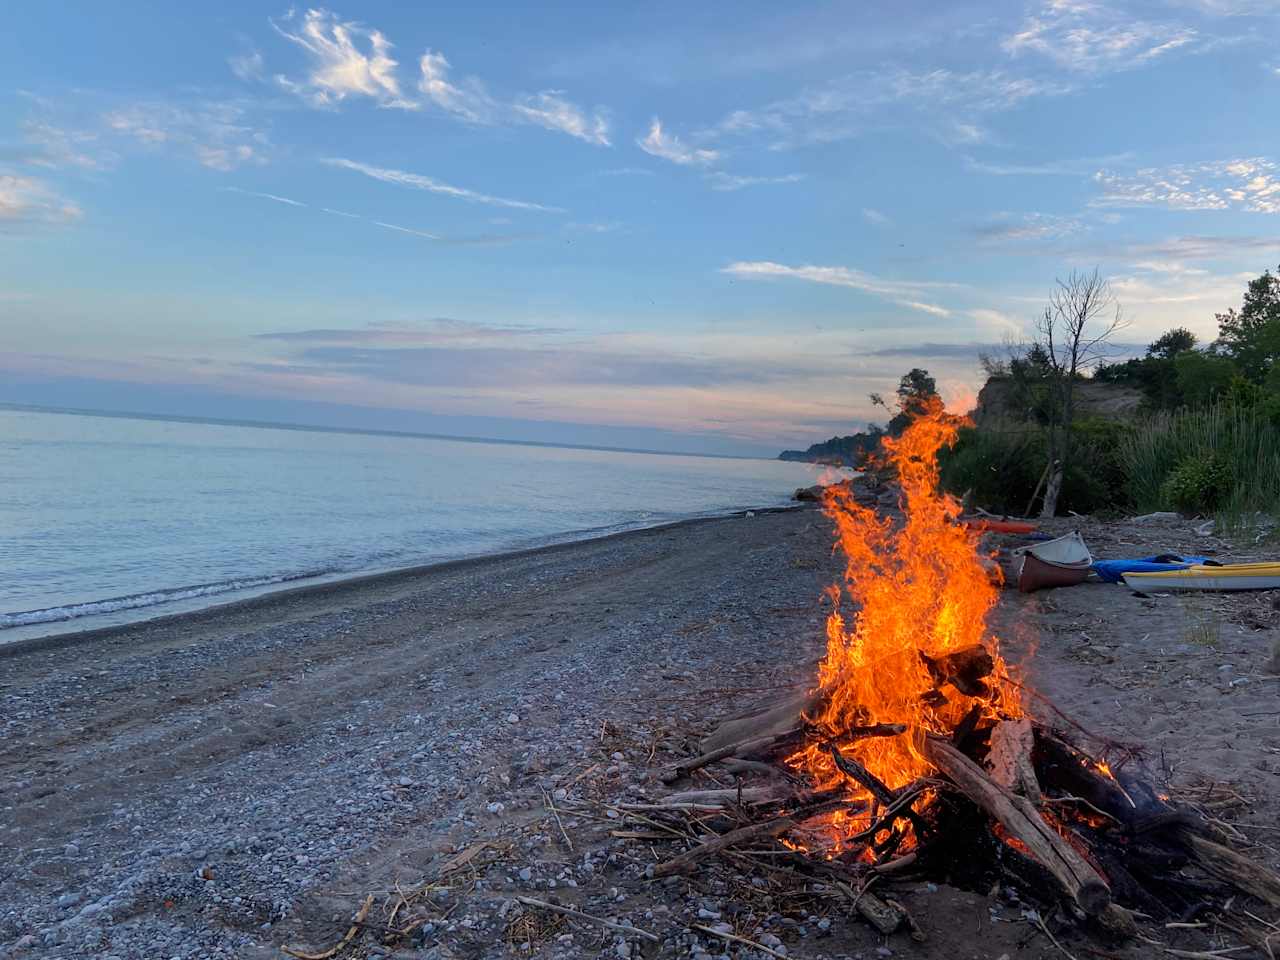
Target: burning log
x=1009, y=758
x=965, y=669
x=1081, y=885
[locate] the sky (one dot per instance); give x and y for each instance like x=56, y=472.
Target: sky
x=711, y=227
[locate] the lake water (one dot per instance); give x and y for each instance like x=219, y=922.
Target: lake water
x=105, y=520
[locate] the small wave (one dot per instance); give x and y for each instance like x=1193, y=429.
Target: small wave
x=136, y=601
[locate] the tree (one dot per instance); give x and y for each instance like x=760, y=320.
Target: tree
x=1071, y=338
x=1251, y=337
x=1202, y=378
x=915, y=391
x=1169, y=345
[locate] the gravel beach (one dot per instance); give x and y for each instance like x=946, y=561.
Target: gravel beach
x=227, y=783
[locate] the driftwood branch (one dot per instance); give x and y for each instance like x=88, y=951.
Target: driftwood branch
x=1227, y=865
x=579, y=915
x=686, y=861
x=884, y=917
x=747, y=747
x=786, y=717
x=727, y=795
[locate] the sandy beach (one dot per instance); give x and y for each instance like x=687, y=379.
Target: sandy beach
x=225, y=783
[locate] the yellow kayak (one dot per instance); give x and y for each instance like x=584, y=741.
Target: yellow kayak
x=1232, y=576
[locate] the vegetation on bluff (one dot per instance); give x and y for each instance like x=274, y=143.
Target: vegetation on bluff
x=1205, y=438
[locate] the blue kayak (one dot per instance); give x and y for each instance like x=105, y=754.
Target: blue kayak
x=1112, y=571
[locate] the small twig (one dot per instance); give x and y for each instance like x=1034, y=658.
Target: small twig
x=734, y=938
x=1084, y=803
x=1052, y=939
x=546, y=799
x=356, y=924
x=579, y=915
x=1193, y=954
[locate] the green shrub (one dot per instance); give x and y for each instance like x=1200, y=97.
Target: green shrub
x=1229, y=449
x=1001, y=470
x=998, y=470
x=1197, y=484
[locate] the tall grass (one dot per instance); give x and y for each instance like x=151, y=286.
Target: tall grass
x=1243, y=440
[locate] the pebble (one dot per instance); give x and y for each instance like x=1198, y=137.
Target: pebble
x=68, y=900
x=526, y=874
x=71, y=850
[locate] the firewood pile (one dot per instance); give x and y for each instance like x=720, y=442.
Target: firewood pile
x=1009, y=801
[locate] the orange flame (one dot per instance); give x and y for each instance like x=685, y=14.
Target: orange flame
x=917, y=590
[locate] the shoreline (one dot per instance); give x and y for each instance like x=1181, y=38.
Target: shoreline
x=287, y=592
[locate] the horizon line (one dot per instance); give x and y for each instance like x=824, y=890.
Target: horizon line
x=366, y=431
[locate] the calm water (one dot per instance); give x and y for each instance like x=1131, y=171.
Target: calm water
x=104, y=520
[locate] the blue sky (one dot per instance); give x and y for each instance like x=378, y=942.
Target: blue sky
x=704, y=226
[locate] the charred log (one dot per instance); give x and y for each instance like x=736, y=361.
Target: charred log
x=965, y=669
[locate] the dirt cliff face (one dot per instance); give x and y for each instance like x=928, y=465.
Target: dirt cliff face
x=998, y=402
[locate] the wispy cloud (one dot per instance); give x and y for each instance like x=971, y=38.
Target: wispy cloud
x=57, y=146
x=1002, y=228
x=608, y=226
x=481, y=240
x=346, y=59
x=1246, y=184
x=1088, y=37
x=28, y=201
x=468, y=102
x=551, y=110
x=515, y=366
x=216, y=133
x=419, y=182
x=729, y=182
x=627, y=172
x=248, y=66
x=667, y=146
x=436, y=330
x=266, y=196
x=350, y=60
x=903, y=293
x=1195, y=249
x=844, y=107
x=875, y=216
x=962, y=351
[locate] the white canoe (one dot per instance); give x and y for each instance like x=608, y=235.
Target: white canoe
x=1235, y=576
x=1067, y=551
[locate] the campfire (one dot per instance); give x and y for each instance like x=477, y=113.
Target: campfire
x=916, y=753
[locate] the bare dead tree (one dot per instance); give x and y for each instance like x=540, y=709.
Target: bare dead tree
x=1080, y=319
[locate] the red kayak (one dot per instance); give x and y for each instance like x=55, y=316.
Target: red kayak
x=989, y=525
